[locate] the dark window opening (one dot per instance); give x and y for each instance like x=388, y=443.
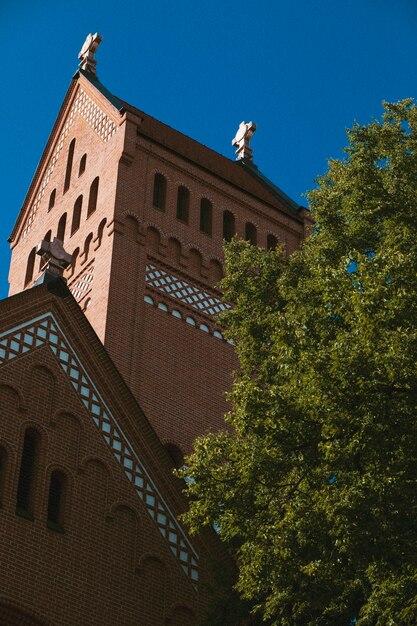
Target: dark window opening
x=3, y=465
x=56, y=501
x=250, y=233
x=52, y=200
x=26, y=484
x=100, y=231
x=183, y=202
x=30, y=266
x=76, y=216
x=206, y=211
x=159, y=191
x=83, y=163
x=228, y=225
x=92, y=198
x=271, y=242
x=61, y=227
x=68, y=171
x=87, y=244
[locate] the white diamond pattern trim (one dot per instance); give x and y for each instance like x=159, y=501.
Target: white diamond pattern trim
x=82, y=285
x=45, y=331
x=186, y=292
x=96, y=118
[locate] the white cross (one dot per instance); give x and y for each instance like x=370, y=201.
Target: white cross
x=241, y=140
x=87, y=52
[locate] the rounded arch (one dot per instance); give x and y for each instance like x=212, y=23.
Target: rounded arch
x=251, y=233
x=87, y=245
x=195, y=260
x=131, y=227
x=216, y=271
x=62, y=414
x=229, y=227
x=11, y=396
x=150, y=558
x=74, y=260
x=30, y=266
x=271, y=241
x=94, y=461
x=100, y=231
x=122, y=505
x=174, y=249
x=153, y=238
x=60, y=233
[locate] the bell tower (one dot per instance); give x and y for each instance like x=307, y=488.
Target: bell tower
x=144, y=210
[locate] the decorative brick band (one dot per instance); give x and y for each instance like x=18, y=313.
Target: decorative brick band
x=82, y=285
x=186, y=292
x=45, y=331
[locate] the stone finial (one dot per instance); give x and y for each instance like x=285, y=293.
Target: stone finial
x=87, y=52
x=241, y=141
x=54, y=258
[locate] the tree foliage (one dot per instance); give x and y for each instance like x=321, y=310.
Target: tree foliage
x=314, y=488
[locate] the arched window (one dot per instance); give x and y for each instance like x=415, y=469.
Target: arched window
x=52, y=200
x=87, y=244
x=228, y=225
x=271, y=242
x=74, y=260
x=83, y=163
x=100, y=231
x=76, y=215
x=183, y=202
x=92, y=198
x=250, y=233
x=3, y=467
x=206, y=211
x=46, y=238
x=27, y=474
x=68, y=171
x=61, y=227
x=30, y=266
x=56, y=501
x=159, y=191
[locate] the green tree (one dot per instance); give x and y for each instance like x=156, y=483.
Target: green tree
x=314, y=488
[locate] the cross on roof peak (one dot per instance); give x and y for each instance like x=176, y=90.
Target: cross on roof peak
x=87, y=52
x=54, y=258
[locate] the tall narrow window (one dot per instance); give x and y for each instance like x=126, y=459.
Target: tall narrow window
x=87, y=244
x=100, y=231
x=271, y=242
x=76, y=215
x=183, y=202
x=27, y=475
x=206, y=211
x=228, y=225
x=159, y=191
x=92, y=198
x=61, y=227
x=83, y=163
x=74, y=260
x=52, y=200
x=68, y=171
x=250, y=233
x=3, y=466
x=30, y=266
x=56, y=498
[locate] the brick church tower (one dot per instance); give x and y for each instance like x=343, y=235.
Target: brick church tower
x=144, y=209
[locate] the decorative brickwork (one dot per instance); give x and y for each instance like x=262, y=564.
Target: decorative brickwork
x=45, y=330
x=186, y=292
x=83, y=284
x=99, y=122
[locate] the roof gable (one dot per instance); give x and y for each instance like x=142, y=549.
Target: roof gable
x=46, y=330
x=99, y=111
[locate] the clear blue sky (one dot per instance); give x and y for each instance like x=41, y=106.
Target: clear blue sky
x=303, y=71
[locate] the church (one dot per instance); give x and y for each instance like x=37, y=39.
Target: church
x=112, y=361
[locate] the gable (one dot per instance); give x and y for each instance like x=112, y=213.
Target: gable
x=98, y=113
x=44, y=331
